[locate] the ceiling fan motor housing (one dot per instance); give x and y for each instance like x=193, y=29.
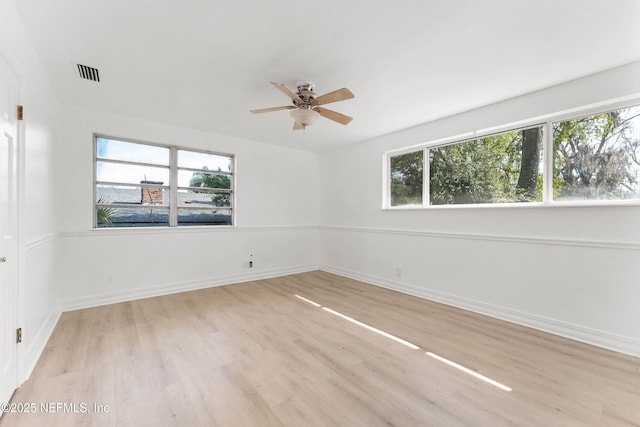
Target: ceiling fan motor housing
x=305, y=91
x=305, y=86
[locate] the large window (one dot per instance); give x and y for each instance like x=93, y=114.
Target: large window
x=144, y=185
x=593, y=158
x=597, y=157
x=503, y=168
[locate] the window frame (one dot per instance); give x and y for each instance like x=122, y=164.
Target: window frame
x=172, y=187
x=546, y=122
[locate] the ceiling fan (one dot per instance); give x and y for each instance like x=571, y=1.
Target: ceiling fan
x=306, y=105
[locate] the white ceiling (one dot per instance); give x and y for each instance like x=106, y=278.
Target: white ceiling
x=204, y=63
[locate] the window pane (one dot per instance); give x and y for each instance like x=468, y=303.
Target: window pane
x=131, y=152
x=203, y=198
x=195, y=160
x=406, y=179
x=118, y=194
x=132, y=217
x=503, y=168
x=204, y=217
x=597, y=157
x=202, y=179
x=131, y=174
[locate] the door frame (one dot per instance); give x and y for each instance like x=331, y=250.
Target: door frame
x=17, y=248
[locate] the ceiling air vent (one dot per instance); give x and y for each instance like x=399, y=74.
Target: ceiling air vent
x=88, y=73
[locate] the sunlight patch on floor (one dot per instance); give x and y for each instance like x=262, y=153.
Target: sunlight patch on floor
x=468, y=371
x=308, y=300
x=408, y=344
x=371, y=328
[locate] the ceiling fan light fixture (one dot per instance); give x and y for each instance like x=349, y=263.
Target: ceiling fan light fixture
x=305, y=116
x=306, y=105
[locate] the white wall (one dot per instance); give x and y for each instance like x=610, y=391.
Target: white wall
x=38, y=309
x=571, y=271
x=276, y=218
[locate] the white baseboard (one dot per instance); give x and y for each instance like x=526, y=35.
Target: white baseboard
x=171, y=288
x=32, y=353
x=594, y=337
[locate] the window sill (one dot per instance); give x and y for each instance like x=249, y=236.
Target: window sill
x=524, y=205
x=158, y=230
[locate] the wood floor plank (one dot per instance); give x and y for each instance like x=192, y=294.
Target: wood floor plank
x=253, y=354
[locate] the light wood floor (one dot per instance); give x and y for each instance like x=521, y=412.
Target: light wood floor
x=253, y=354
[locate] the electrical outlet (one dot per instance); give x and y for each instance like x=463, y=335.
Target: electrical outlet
x=248, y=264
x=398, y=272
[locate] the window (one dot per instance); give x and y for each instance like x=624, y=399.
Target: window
x=595, y=157
x=144, y=185
x=503, y=168
x=406, y=179
x=204, y=182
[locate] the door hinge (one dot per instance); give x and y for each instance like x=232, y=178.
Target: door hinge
x=18, y=335
x=20, y=112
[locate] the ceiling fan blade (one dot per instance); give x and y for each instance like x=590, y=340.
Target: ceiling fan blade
x=268, y=110
x=335, y=96
x=297, y=126
x=334, y=115
x=282, y=88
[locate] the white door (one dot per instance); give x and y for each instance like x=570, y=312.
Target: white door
x=8, y=231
